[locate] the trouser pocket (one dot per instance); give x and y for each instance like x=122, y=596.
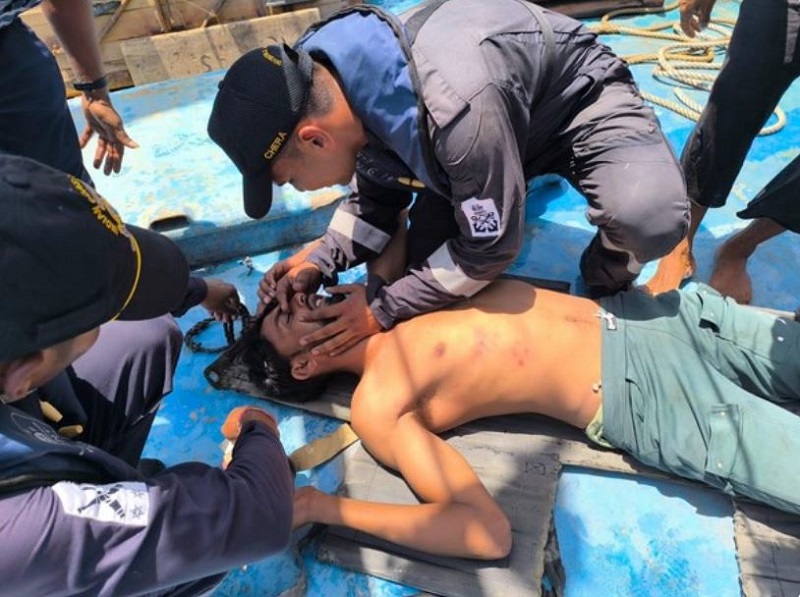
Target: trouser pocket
x=752, y=452
x=723, y=445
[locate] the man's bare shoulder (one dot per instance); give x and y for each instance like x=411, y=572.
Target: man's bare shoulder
x=385, y=389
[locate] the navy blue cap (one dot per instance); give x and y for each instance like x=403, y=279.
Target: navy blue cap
x=69, y=264
x=258, y=105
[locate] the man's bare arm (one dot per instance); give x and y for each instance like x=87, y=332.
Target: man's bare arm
x=73, y=23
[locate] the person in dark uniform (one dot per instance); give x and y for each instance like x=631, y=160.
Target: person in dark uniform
x=72, y=429
x=461, y=103
x=34, y=117
x=763, y=60
x=35, y=120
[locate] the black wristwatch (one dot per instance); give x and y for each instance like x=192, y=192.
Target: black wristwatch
x=92, y=85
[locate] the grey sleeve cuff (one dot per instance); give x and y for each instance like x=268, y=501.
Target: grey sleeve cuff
x=374, y=286
x=322, y=259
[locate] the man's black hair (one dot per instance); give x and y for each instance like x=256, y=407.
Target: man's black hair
x=272, y=372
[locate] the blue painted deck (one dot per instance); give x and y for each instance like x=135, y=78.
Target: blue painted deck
x=619, y=535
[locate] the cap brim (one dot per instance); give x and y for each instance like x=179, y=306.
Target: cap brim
x=163, y=278
x=257, y=194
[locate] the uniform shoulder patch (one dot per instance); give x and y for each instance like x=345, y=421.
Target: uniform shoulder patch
x=126, y=503
x=483, y=217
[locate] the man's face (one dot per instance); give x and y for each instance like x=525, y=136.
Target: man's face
x=313, y=170
x=44, y=365
x=284, y=329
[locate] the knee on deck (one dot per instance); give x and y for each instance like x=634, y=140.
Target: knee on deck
x=649, y=230
x=151, y=351
x=160, y=336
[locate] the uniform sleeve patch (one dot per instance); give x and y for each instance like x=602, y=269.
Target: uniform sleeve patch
x=126, y=503
x=483, y=217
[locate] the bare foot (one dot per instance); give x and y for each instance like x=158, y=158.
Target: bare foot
x=730, y=276
x=305, y=499
x=673, y=269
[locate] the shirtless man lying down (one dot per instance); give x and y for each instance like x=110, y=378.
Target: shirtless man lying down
x=685, y=382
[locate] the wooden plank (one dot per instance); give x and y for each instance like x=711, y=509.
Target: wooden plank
x=326, y=7
x=146, y=18
x=188, y=53
x=514, y=471
x=141, y=17
x=768, y=550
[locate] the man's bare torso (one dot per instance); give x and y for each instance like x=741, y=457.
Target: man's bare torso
x=511, y=348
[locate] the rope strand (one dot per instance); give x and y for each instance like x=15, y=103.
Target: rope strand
x=190, y=338
x=680, y=61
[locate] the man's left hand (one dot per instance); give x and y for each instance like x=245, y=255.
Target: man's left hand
x=103, y=119
x=353, y=321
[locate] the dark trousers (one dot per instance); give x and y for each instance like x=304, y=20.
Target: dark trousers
x=614, y=153
x=779, y=200
x=618, y=158
x=114, y=390
x=34, y=117
x=762, y=62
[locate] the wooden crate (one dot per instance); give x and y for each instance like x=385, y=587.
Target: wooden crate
x=143, y=41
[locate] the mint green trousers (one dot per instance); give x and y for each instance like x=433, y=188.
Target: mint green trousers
x=693, y=385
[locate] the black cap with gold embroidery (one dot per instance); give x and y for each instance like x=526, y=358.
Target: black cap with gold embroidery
x=258, y=105
x=68, y=264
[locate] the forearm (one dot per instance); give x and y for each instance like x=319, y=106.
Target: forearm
x=407, y=297
x=196, y=293
x=303, y=254
x=338, y=250
x=391, y=264
x=73, y=23
x=460, y=519
x=443, y=529
x=458, y=269
x=192, y=521
x=210, y=521
x=360, y=229
x=745, y=242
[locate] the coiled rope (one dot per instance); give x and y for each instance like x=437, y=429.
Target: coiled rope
x=682, y=61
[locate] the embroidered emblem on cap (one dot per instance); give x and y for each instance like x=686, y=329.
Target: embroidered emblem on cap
x=102, y=210
x=275, y=146
x=109, y=218
x=270, y=58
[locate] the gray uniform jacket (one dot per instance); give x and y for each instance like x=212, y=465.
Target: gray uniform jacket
x=492, y=100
